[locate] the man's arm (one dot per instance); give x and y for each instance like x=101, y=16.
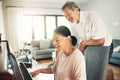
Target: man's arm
x=92, y=42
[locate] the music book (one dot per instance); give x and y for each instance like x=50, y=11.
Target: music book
x=43, y=76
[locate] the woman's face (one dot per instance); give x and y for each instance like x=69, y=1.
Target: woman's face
x=61, y=42
x=72, y=15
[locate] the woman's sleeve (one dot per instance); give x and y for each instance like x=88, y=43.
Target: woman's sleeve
x=55, y=64
x=79, y=67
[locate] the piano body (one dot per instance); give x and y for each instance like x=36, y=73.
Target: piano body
x=9, y=67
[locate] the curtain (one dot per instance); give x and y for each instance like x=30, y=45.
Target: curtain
x=2, y=29
x=15, y=18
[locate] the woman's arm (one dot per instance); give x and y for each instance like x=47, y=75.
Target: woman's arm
x=44, y=70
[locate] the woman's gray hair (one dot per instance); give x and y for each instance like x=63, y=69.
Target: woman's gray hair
x=64, y=31
x=71, y=5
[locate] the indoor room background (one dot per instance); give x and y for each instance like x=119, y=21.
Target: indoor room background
x=24, y=20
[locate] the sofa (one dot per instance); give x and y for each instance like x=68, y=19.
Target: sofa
x=42, y=49
x=115, y=56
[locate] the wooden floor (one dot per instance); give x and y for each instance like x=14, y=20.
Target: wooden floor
x=44, y=61
x=116, y=71
x=115, y=68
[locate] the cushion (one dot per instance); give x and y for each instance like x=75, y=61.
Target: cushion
x=52, y=45
x=35, y=43
x=116, y=55
x=117, y=49
x=45, y=43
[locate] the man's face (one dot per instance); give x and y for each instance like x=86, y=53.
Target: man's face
x=72, y=15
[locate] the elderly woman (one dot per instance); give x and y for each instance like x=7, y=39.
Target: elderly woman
x=70, y=62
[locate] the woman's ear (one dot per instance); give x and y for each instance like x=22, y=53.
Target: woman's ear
x=69, y=38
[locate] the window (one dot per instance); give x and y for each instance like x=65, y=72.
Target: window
x=41, y=27
x=62, y=21
x=25, y=34
x=38, y=27
x=50, y=26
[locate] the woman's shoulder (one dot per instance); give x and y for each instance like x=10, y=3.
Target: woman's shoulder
x=77, y=52
x=78, y=56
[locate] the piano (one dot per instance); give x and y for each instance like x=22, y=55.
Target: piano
x=9, y=67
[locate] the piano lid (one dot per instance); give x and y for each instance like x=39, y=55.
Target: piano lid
x=3, y=57
x=4, y=72
x=6, y=59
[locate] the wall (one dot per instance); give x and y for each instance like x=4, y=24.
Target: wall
x=35, y=6
x=110, y=13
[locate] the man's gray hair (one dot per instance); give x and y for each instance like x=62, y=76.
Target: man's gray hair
x=71, y=5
